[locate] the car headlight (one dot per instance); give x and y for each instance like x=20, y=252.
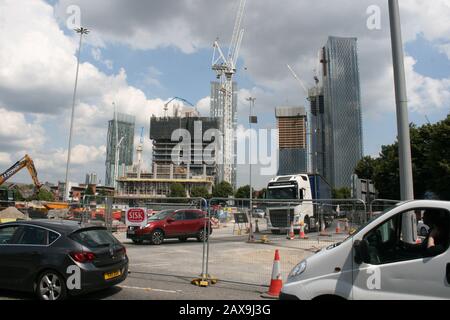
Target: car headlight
x=298, y=270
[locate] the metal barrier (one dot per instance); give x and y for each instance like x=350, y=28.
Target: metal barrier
x=382, y=206
x=246, y=256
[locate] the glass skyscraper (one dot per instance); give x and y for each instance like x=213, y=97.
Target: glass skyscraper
x=342, y=117
x=125, y=129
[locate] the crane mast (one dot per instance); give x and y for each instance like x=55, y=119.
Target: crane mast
x=225, y=69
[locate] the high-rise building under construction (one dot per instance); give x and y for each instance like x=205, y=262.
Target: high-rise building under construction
x=292, y=143
x=216, y=111
x=125, y=129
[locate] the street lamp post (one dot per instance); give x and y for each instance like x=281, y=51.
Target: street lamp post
x=252, y=120
x=404, y=141
x=81, y=31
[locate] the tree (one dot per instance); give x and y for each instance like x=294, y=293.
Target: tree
x=89, y=191
x=177, y=191
x=366, y=167
x=243, y=192
x=430, y=151
x=200, y=192
x=44, y=195
x=222, y=190
x=341, y=193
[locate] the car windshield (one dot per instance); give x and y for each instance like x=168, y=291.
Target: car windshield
x=161, y=215
x=288, y=193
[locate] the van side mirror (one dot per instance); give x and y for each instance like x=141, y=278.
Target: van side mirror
x=361, y=251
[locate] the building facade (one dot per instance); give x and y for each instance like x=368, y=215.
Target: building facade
x=173, y=165
x=216, y=111
x=125, y=129
x=343, y=143
x=317, y=124
x=292, y=140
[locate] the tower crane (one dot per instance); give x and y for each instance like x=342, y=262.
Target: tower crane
x=27, y=162
x=308, y=130
x=225, y=69
x=166, y=105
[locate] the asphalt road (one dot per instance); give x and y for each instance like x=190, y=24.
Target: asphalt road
x=243, y=269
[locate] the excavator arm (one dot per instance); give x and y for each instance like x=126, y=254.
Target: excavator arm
x=19, y=165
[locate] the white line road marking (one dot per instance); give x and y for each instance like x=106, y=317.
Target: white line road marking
x=149, y=263
x=149, y=289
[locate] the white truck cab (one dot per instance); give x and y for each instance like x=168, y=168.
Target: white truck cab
x=380, y=261
x=295, y=188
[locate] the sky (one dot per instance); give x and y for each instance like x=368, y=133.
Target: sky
x=139, y=54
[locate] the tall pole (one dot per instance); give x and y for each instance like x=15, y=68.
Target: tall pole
x=251, y=121
x=404, y=142
x=81, y=31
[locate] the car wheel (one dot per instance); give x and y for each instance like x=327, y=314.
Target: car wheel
x=157, y=237
x=51, y=286
x=423, y=232
x=202, y=236
x=137, y=241
x=182, y=239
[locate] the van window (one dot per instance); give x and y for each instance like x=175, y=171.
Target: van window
x=386, y=243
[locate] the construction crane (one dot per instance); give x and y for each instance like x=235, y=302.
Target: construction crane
x=308, y=125
x=27, y=162
x=225, y=69
x=166, y=105
x=139, y=150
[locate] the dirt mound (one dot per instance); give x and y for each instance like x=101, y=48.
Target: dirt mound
x=12, y=213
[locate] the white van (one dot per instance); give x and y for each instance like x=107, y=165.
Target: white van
x=380, y=261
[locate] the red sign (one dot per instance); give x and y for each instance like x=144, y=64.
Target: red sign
x=136, y=215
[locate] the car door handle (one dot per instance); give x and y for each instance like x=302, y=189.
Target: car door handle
x=448, y=273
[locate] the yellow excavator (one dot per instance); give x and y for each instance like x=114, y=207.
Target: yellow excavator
x=27, y=162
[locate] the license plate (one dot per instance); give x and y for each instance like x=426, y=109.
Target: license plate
x=112, y=275
x=130, y=231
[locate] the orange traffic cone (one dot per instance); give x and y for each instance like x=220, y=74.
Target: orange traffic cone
x=291, y=235
x=302, y=231
x=338, y=227
x=276, y=283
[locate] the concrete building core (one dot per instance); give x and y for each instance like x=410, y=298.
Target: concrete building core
x=292, y=143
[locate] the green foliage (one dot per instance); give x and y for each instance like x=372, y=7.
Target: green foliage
x=222, y=190
x=243, y=192
x=89, y=191
x=430, y=151
x=44, y=195
x=200, y=192
x=177, y=191
x=342, y=193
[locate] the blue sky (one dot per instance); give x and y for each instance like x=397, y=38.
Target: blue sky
x=139, y=54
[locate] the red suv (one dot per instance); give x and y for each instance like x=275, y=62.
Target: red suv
x=181, y=224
